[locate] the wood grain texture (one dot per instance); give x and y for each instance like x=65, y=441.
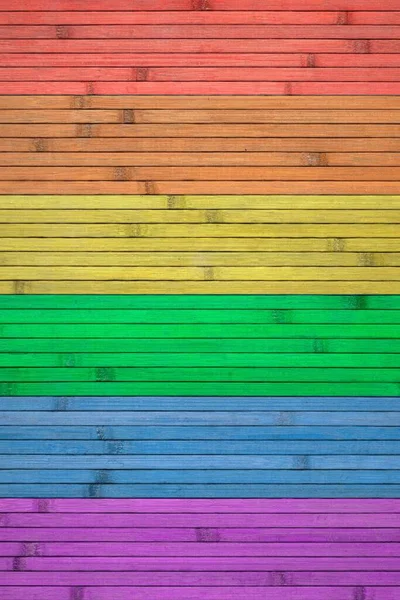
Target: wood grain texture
x=283, y=441
x=169, y=548
x=183, y=145
x=149, y=329
x=321, y=241
x=268, y=396
x=200, y=47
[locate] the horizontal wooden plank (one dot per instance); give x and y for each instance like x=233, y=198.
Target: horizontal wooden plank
x=182, y=59
x=61, y=116
x=208, y=330
x=170, y=549
x=218, y=88
x=250, y=259
x=203, y=491
x=188, y=389
x=251, y=130
x=91, y=411
x=226, y=173
x=205, y=520
x=206, y=31
x=368, y=505
x=178, y=59
x=337, y=345
x=238, y=202
x=207, y=158
x=208, y=117
x=173, y=5
x=112, y=273
x=143, y=17
x=140, y=564
x=181, y=316
x=207, y=477
x=201, y=360
x=210, y=230
x=187, y=432
x=218, y=46
x=169, y=301
x=199, y=187
x=204, y=287
x=197, y=216
x=114, y=407
x=189, y=581
x=187, y=534
x=185, y=448
x=225, y=374
x=197, y=145
x=276, y=87
x=178, y=461
x=264, y=74
x=36, y=101
x=179, y=593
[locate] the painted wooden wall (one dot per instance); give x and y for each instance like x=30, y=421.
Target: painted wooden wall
x=171, y=428
x=199, y=396
x=200, y=47
x=180, y=550
x=229, y=145
x=199, y=244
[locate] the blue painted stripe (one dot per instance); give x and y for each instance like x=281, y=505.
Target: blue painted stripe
x=205, y=447
x=198, y=491
x=201, y=432
x=195, y=403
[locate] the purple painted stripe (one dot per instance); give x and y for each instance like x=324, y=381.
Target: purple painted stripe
x=200, y=593
x=173, y=549
x=200, y=520
x=201, y=506
x=206, y=578
x=201, y=563
x=191, y=534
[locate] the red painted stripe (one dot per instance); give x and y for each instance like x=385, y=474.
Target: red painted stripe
x=168, y=60
x=384, y=46
x=344, y=60
x=177, y=88
x=373, y=18
x=357, y=89
x=199, y=74
x=269, y=74
x=67, y=74
x=44, y=87
x=320, y=5
x=220, y=46
x=178, y=32
x=240, y=17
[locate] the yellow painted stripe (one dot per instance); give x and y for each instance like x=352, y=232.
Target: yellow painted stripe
x=199, y=287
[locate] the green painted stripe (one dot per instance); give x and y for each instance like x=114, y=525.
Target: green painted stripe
x=198, y=345
x=198, y=375
x=201, y=301
x=195, y=331
x=200, y=316
x=200, y=359
x=105, y=388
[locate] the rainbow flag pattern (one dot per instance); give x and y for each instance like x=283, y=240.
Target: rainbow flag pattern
x=199, y=299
